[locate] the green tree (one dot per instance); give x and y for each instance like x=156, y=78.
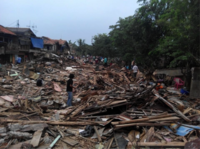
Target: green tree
x=102, y=46
x=180, y=40
x=137, y=35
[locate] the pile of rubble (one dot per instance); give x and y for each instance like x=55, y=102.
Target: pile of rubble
x=110, y=108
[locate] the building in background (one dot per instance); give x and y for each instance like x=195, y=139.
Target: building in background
x=50, y=45
x=28, y=42
x=56, y=46
x=9, y=46
x=22, y=43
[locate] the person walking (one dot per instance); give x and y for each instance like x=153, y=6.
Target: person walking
x=135, y=70
x=105, y=61
x=132, y=63
x=70, y=89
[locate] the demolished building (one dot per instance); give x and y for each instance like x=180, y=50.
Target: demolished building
x=110, y=109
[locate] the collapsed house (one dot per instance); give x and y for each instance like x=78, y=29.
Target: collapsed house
x=110, y=109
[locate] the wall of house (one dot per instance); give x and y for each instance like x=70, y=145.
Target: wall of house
x=195, y=83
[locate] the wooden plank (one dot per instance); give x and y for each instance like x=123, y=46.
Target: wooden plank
x=36, y=138
x=142, y=124
x=77, y=111
x=142, y=119
x=18, y=146
x=147, y=137
x=171, y=106
x=117, y=102
x=52, y=122
x=165, y=119
x=70, y=141
x=161, y=144
x=126, y=78
x=187, y=110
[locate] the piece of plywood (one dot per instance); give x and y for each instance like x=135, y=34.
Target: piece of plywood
x=18, y=146
x=36, y=138
x=70, y=141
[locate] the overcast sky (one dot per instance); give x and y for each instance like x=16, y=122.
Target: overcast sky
x=66, y=19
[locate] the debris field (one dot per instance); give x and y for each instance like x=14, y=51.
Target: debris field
x=110, y=108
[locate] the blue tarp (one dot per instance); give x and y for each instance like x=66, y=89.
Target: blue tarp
x=37, y=43
x=183, y=130
x=19, y=59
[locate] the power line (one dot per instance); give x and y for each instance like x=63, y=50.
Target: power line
x=12, y=23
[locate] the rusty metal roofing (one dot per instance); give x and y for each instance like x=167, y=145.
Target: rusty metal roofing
x=6, y=31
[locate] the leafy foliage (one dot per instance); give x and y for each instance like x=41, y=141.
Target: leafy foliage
x=161, y=33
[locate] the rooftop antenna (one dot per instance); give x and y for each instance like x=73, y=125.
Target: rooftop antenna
x=29, y=25
x=33, y=27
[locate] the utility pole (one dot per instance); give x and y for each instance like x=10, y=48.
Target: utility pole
x=17, y=25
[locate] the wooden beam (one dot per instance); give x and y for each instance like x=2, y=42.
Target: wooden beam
x=67, y=123
x=171, y=106
x=36, y=138
x=142, y=119
x=161, y=144
x=142, y=124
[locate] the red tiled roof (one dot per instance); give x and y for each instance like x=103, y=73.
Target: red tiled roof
x=61, y=42
x=6, y=31
x=49, y=41
x=53, y=41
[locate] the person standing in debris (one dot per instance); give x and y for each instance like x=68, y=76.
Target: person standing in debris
x=102, y=60
x=105, y=61
x=132, y=63
x=135, y=70
x=69, y=90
